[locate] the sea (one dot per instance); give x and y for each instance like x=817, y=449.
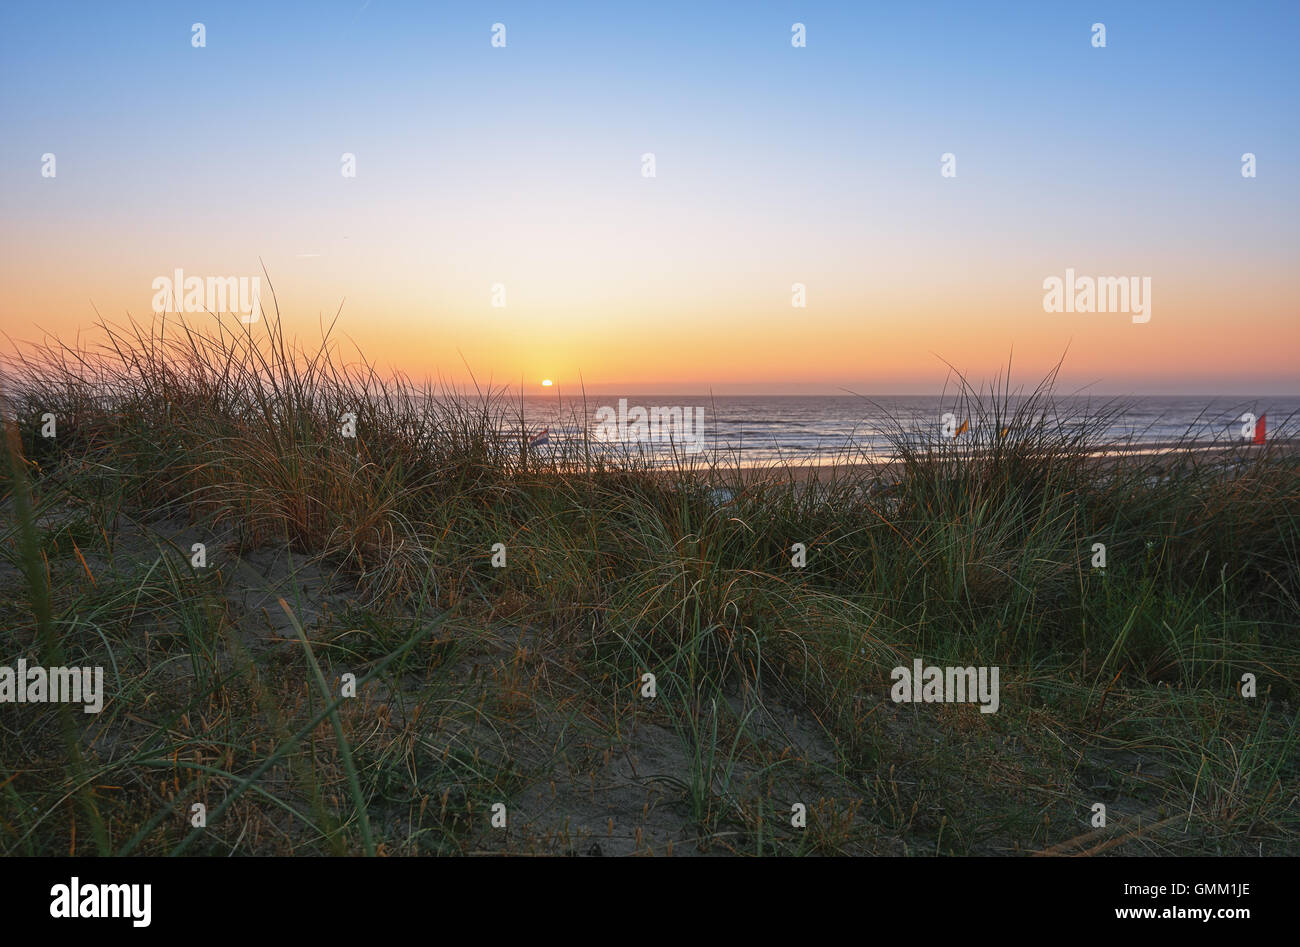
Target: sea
x=812, y=429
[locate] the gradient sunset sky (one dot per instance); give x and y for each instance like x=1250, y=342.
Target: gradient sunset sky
x=774, y=165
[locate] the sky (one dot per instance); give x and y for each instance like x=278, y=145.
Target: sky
x=520, y=167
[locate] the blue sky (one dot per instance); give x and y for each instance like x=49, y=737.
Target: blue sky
x=519, y=164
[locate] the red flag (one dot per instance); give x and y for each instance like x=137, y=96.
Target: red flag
x=1259, y=429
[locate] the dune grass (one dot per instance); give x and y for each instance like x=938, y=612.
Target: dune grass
x=523, y=686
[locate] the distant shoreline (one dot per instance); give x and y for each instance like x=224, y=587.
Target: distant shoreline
x=1155, y=452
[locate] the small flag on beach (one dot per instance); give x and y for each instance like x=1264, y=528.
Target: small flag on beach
x=541, y=437
x=965, y=426
x=1259, y=429
x=1004, y=432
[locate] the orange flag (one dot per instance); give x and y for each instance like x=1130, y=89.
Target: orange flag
x=1259, y=429
x=962, y=430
